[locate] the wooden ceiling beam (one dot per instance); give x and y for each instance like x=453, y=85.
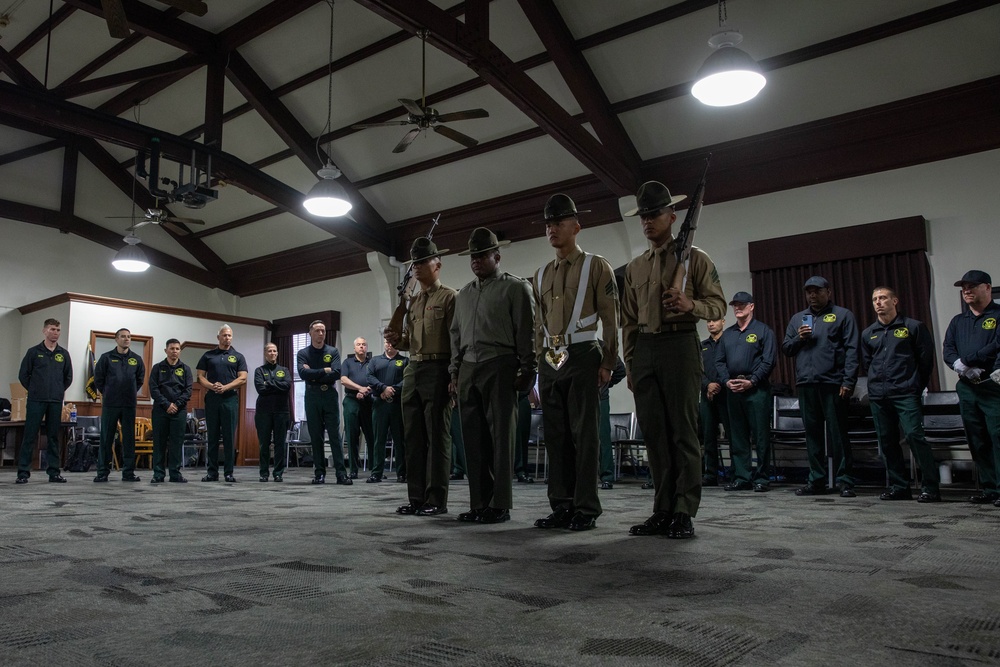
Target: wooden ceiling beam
x=39, y=33
x=183, y=66
x=157, y=24
x=256, y=24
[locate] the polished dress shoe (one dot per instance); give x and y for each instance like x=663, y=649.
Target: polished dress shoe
x=996, y=503
x=157, y=480
x=560, y=518
x=847, y=491
x=811, y=490
x=400, y=478
x=494, y=515
x=100, y=479
x=344, y=480
x=21, y=480
x=457, y=476
x=354, y=475
x=709, y=480
x=408, y=508
x=654, y=525
x=178, y=480
x=373, y=479
x=319, y=479
x=229, y=478
x=583, y=521
x=931, y=497
x=896, y=493
x=647, y=485
x=431, y=510
x=607, y=485
x=277, y=478
x=130, y=478
x=525, y=478
x=760, y=487
x=472, y=516
x=263, y=478
x=984, y=498
x=57, y=479
x=681, y=527
x=210, y=478
x=739, y=485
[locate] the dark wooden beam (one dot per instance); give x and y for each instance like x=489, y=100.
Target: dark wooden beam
x=215, y=93
x=256, y=24
x=16, y=71
x=67, y=194
x=30, y=151
x=183, y=65
x=325, y=260
x=242, y=222
x=100, y=61
x=39, y=33
x=154, y=23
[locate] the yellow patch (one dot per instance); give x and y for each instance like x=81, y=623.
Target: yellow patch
x=327, y=358
x=132, y=361
x=901, y=333
x=179, y=372
x=751, y=338
x=280, y=374
x=59, y=357
x=399, y=363
x=830, y=317
x=231, y=359
x=990, y=323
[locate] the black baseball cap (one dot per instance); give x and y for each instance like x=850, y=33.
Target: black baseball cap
x=742, y=297
x=975, y=277
x=817, y=281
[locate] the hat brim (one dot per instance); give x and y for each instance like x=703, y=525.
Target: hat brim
x=545, y=221
x=500, y=244
x=674, y=200
x=968, y=282
x=443, y=251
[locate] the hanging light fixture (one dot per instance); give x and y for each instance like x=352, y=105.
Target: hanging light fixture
x=729, y=76
x=328, y=199
x=131, y=258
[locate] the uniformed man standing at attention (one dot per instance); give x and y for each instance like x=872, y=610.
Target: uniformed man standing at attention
x=971, y=345
x=572, y=293
x=493, y=358
x=272, y=382
x=319, y=365
x=46, y=372
x=426, y=402
x=663, y=359
x=118, y=375
x=221, y=372
x=712, y=409
x=357, y=403
x=385, y=377
x=170, y=383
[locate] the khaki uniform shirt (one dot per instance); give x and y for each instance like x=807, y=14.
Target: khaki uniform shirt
x=428, y=322
x=556, y=297
x=647, y=277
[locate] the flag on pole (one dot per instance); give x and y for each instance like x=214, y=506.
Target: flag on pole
x=90, y=388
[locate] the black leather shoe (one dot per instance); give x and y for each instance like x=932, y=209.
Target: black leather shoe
x=408, y=508
x=810, y=490
x=457, y=476
x=931, y=497
x=738, y=486
x=847, y=491
x=400, y=478
x=607, y=485
x=373, y=479
x=319, y=479
x=984, y=498
x=525, y=479
x=996, y=503
x=761, y=488
x=57, y=479
x=494, y=515
x=100, y=479
x=229, y=478
x=472, y=516
x=21, y=480
x=654, y=525
x=277, y=478
x=709, y=480
x=178, y=480
x=647, y=485
x=157, y=480
x=262, y=478
x=130, y=478
x=583, y=522
x=344, y=480
x=210, y=478
x=681, y=527
x=354, y=475
x=560, y=518
x=431, y=510
x=896, y=493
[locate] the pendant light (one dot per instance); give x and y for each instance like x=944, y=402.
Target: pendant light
x=328, y=199
x=729, y=76
x=131, y=258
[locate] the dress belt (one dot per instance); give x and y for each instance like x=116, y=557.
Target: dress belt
x=430, y=357
x=668, y=328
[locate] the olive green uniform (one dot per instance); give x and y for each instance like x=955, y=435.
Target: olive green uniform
x=663, y=357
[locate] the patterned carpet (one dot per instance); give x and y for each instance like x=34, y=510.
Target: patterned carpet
x=292, y=574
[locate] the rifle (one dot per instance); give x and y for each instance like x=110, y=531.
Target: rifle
x=405, y=291
x=685, y=236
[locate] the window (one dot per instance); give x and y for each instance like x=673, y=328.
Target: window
x=299, y=341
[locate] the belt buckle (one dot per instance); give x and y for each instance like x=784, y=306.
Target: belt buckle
x=324, y=387
x=557, y=341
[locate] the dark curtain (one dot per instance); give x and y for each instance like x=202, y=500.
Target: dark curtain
x=855, y=260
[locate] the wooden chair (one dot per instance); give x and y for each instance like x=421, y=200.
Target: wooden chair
x=143, y=440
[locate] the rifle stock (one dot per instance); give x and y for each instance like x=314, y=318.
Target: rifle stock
x=404, y=292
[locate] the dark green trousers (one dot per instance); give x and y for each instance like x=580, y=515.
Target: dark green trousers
x=111, y=417
x=980, y=408
x=570, y=398
x=750, y=422
x=387, y=418
x=824, y=417
x=906, y=413
x=711, y=413
x=323, y=420
x=34, y=412
x=357, y=420
x=426, y=425
x=607, y=466
x=666, y=381
x=221, y=413
x=459, y=464
x=272, y=426
x=523, y=434
x=488, y=404
x=168, y=441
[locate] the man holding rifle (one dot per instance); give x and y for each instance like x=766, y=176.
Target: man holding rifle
x=661, y=305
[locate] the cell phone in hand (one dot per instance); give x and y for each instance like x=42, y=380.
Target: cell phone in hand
x=807, y=320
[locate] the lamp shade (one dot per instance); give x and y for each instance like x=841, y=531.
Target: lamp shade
x=131, y=258
x=729, y=76
x=327, y=199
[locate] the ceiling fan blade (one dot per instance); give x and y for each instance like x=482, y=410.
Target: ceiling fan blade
x=391, y=123
x=196, y=7
x=119, y=217
x=184, y=221
x=463, y=115
x=454, y=135
x=177, y=229
x=114, y=14
x=412, y=107
x=405, y=142
x=142, y=223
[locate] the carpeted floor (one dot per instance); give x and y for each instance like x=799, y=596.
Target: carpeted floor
x=292, y=574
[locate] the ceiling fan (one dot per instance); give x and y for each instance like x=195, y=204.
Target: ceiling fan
x=158, y=216
x=425, y=117
x=114, y=13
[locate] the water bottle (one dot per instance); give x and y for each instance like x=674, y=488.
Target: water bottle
x=72, y=413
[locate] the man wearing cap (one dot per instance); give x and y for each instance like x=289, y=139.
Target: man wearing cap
x=221, y=372
x=663, y=359
x=573, y=292
x=712, y=410
x=971, y=349
x=898, y=353
x=426, y=401
x=318, y=364
x=493, y=358
x=744, y=362
x=823, y=340
x=385, y=377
